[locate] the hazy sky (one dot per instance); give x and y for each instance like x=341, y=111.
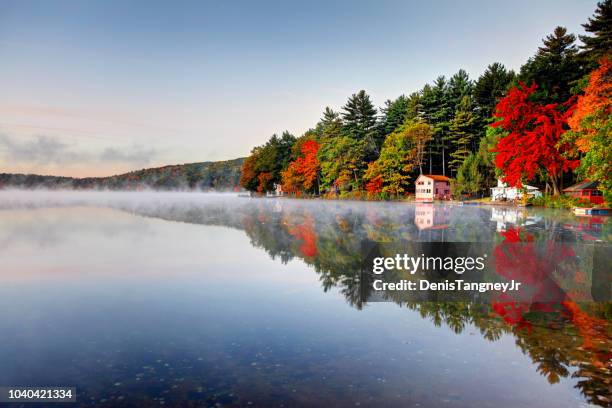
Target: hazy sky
x=101, y=87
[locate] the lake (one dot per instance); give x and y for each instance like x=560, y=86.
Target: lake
x=189, y=299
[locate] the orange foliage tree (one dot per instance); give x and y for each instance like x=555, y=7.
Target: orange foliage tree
x=596, y=99
x=264, y=180
x=591, y=127
x=302, y=173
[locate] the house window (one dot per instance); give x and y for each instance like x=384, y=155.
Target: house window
x=596, y=193
x=585, y=193
x=436, y=191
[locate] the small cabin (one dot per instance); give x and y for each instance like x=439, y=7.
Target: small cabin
x=503, y=192
x=431, y=187
x=587, y=191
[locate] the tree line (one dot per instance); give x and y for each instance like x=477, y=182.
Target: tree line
x=547, y=124
x=205, y=176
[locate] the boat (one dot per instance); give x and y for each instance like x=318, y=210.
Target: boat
x=586, y=212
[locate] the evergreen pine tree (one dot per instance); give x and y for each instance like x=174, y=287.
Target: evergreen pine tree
x=462, y=133
x=600, y=26
x=459, y=86
x=393, y=114
x=439, y=116
x=330, y=125
x=491, y=86
x=359, y=115
x=555, y=68
x=414, y=107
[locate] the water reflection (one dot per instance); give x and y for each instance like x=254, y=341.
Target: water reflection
x=564, y=327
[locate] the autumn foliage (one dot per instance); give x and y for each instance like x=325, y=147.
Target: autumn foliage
x=597, y=98
x=375, y=185
x=591, y=128
x=302, y=173
x=533, y=142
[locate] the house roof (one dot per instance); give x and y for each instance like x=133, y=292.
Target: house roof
x=583, y=185
x=436, y=177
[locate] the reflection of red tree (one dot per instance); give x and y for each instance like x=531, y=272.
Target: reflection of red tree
x=591, y=330
x=511, y=311
x=534, y=270
x=307, y=234
x=517, y=258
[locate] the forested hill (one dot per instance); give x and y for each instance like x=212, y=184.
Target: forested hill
x=217, y=176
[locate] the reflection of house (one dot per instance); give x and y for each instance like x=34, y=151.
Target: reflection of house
x=428, y=216
x=505, y=193
x=431, y=187
x=505, y=217
x=587, y=191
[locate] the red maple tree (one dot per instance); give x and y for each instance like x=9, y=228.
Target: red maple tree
x=302, y=173
x=375, y=185
x=533, y=142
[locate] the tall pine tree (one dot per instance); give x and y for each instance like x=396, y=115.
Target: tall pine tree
x=462, y=133
x=490, y=87
x=359, y=115
x=393, y=114
x=437, y=112
x=555, y=68
x=330, y=125
x=600, y=26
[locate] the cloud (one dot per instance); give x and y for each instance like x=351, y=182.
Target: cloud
x=136, y=154
x=41, y=150
x=46, y=150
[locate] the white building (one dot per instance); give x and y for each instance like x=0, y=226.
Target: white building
x=277, y=192
x=505, y=193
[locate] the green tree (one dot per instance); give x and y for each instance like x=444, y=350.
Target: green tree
x=415, y=108
x=393, y=114
x=330, y=124
x=555, y=68
x=401, y=155
x=437, y=112
x=599, y=43
x=491, y=86
x=359, y=122
x=462, y=133
x=343, y=161
x=459, y=86
x=359, y=115
x=478, y=173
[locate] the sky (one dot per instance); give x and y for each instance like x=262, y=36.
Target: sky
x=95, y=88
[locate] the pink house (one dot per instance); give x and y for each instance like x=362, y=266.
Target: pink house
x=431, y=187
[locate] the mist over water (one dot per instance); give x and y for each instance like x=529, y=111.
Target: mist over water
x=139, y=299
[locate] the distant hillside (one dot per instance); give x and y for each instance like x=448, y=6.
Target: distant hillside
x=218, y=176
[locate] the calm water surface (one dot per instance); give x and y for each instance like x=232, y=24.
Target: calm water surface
x=172, y=299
